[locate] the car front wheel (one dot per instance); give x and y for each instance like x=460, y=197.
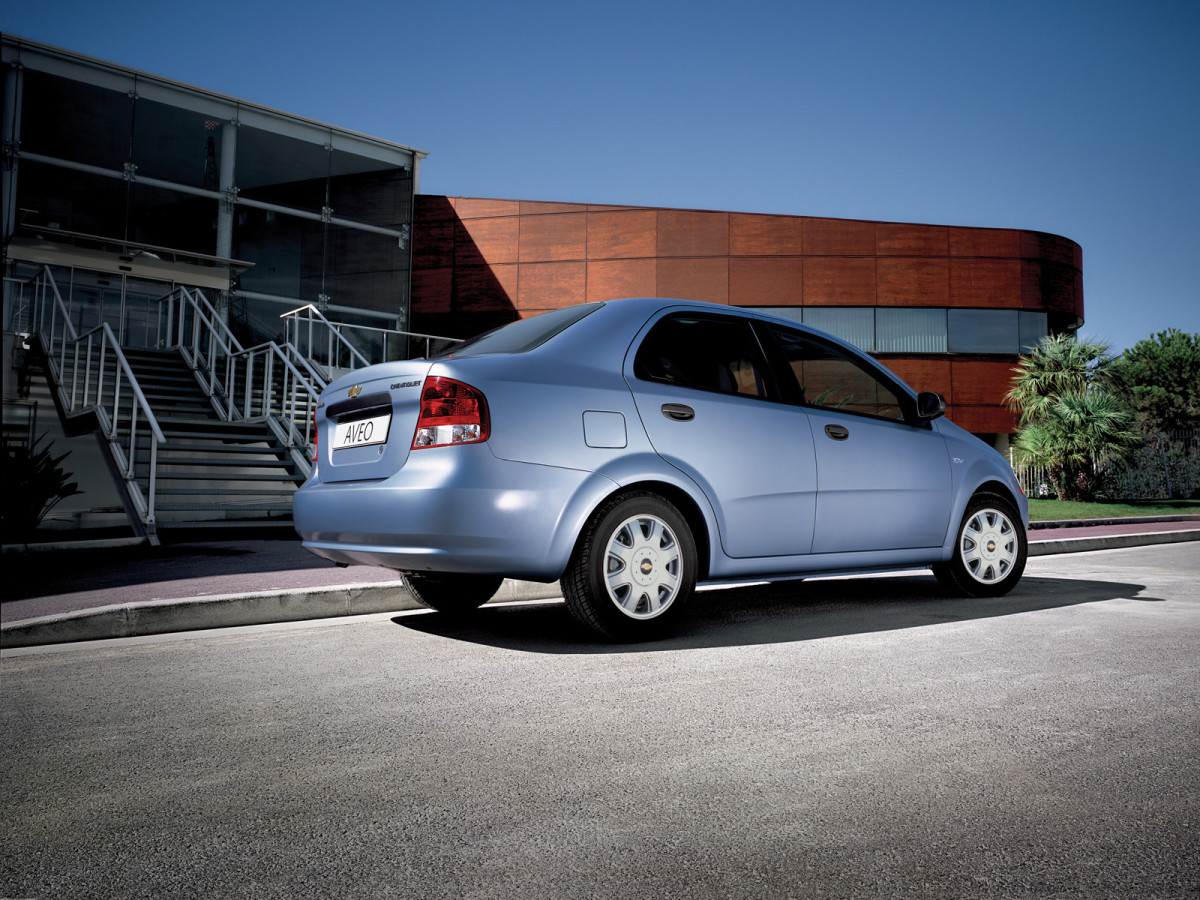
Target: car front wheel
x=452, y=593
x=990, y=550
x=633, y=570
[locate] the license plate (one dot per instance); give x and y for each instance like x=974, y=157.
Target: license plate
x=362, y=433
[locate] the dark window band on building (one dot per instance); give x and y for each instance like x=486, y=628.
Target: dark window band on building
x=891, y=330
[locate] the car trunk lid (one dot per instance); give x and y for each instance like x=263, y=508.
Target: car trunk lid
x=368, y=426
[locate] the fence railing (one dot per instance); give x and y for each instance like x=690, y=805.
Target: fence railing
x=1167, y=466
x=340, y=347
x=90, y=373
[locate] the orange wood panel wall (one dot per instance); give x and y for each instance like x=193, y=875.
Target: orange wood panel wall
x=480, y=262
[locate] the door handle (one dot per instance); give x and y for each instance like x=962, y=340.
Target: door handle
x=678, y=412
x=837, y=432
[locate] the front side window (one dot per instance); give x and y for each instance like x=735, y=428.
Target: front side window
x=830, y=378
x=707, y=353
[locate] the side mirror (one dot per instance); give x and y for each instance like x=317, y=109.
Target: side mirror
x=930, y=405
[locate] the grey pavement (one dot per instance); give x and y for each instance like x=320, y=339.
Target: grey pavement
x=858, y=738
x=91, y=590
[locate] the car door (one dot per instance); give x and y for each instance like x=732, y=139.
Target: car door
x=712, y=409
x=883, y=476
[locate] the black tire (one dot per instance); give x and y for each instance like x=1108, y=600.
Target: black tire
x=452, y=593
x=633, y=569
x=990, y=550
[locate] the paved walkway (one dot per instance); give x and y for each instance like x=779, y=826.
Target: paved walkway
x=85, y=591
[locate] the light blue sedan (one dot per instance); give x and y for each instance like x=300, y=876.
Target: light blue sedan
x=635, y=448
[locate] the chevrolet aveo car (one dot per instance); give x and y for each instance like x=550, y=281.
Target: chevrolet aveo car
x=635, y=448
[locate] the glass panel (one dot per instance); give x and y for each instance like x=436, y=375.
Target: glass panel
x=275, y=168
x=829, y=378
x=62, y=279
x=52, y=197
x=365, y=270
x=288, y=253
x=910, y=330
x=177, y=145
x=983, y=331
x=263, y=322
x=1034, y=327
x=141, y=311
x=369, y=191
x=854, y=325
x=19, y=296
x=709, y=353
x=76, y=121
x=95, y=298
x=173, y=219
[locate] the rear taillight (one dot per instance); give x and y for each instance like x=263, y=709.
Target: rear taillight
x=316, y=438
x=451, y=413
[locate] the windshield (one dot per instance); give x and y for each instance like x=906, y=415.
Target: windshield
x=522, y=335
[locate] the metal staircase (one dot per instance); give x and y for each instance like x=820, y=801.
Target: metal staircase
x=200, y=432
x=211, y=472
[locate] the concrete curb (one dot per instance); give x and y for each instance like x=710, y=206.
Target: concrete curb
x=1128, y=520
x=54, y=546
x=1110, y=542
x=267, y=607
x=229, y=610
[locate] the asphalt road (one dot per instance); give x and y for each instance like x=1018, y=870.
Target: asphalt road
x=842, y=738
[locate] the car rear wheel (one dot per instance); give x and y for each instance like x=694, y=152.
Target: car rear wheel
x=633, y=570
x=990, y=550
x=452, y=593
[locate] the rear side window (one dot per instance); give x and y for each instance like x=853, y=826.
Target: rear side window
x=708, y=353
x=523, y=335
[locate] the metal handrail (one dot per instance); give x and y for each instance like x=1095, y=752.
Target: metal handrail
x=298, y=359
x=306, y=325
x=280, y=406
x=335, y=341
x=393, y=333
x=230, y=374
x=199, y=332
x=80, y=366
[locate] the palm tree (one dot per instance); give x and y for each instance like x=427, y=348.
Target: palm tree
x=1061, y=365
x=1077, y=435
x=1071, y=420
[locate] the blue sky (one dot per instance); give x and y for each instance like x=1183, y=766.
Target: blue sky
x=1077, y=118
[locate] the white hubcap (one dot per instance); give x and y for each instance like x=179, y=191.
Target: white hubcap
x=642, y=567
x=988, y=546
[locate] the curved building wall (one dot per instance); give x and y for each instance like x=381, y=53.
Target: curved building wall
x=947, y=308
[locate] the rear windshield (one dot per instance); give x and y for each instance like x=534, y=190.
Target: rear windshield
x=523, y=335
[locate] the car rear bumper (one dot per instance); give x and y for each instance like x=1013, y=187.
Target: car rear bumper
x=452, y=509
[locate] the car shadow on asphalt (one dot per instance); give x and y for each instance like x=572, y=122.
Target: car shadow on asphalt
x=782, y=612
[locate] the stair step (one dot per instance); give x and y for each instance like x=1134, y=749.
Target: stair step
x=143, y=460
x=215, y=430
x=282, y=477
x=226, y=455
x=257, y=522
x=217, y=507
x=267, y=494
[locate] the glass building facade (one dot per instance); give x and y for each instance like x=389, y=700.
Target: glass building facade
x=896, y=330
x=127, y=185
